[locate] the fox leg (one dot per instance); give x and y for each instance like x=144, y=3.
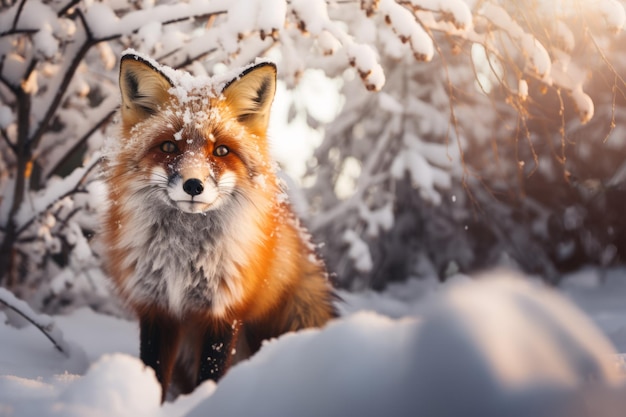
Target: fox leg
x=216, y=354
x=159, y=340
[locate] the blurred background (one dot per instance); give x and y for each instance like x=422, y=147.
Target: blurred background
x=419, y=139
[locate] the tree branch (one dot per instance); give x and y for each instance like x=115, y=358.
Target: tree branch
x=18, y=14
x=12, y=32
x=67, y=7
x=42, y=322
x=80, y=142
x=87, y=170
x=61, y=89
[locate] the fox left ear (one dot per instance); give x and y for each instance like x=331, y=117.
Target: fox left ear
x=251, y=94
x=144, y=88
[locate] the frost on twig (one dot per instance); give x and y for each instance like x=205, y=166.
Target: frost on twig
x=44, y=323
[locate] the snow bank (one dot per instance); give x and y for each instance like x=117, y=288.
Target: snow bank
x=116, y=385
x=353, y=367
x=495, y=346
x=68, y=354
x=492, y=348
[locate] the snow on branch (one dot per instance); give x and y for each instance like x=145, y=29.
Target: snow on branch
x=538, y=58
x=549, y=61
x=613, y=13
x=312, y=17
x=406, y=27
x=44, y=323
x=102, y=22
x=455, y=11
x=56, y=190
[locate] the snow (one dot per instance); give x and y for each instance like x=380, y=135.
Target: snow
x=377, y=220
x=135, y=390
x=241, y=20
x=388, y=103
x=328, y=43
x=498, y=345
x=538, y=57
x=584, y=104
x=359, y=251
x=45, y=42
x=6, y=116
x=271, y=15
x=56, y=190
x=364, y=59
x=313, y=13
x=150, y=34
x=41, y=321
x=456, y=10
x=495, y=347
x=424, y=176
x=613, y=13
x=565, y=36
x=407, y=28
x=522, y=89
x=103, y=23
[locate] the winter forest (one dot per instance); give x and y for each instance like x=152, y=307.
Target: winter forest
x=423, y=143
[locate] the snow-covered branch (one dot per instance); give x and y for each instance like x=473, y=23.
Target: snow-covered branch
x=44, y=323
x=56, y=191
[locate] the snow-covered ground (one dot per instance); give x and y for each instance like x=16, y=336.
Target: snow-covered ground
x=489, y=347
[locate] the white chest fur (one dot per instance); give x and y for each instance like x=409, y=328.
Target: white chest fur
x=183, y=261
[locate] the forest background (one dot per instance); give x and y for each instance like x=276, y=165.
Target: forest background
x=423, y=138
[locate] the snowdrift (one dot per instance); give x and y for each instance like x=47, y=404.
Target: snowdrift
x=497, y=346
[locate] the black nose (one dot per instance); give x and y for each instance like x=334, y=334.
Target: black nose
x=193, y=186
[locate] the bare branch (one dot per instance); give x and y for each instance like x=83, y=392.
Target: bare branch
x=16, y=18
x=80, y=142
x=13, y=32
x=42, y=322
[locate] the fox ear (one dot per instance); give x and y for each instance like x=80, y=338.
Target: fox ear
x=143, y=88
x=251, y=94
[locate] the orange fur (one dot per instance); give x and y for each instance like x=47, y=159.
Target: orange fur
x=249, y=265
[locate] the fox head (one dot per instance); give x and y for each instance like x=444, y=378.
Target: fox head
x=195, y=143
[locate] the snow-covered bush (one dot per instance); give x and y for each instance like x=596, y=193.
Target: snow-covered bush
x=381, y=174
x=443, y=165
x=551, y=192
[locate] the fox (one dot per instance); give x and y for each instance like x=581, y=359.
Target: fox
x=200, y=239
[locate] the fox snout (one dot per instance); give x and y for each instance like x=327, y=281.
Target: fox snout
x=192, y=194
x=199, y=190
x=193, y=187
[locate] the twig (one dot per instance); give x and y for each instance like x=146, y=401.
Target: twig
x=81, y=141
x=87, y=170
x=18, y=14
x=67, y=7
x=18, y=32
x=42, y=322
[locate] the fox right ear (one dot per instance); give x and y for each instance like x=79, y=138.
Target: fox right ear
x=143, y=89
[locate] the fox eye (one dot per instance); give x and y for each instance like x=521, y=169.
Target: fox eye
x=168, y=147
x=221, y=150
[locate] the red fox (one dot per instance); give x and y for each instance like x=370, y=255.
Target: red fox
x=200, y=239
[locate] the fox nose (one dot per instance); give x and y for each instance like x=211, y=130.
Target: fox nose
x=193, y=186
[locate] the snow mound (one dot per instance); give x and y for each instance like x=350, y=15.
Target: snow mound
x=116, y=385
x=493, y=347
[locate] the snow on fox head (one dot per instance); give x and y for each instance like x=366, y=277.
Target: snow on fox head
x=195, y=143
